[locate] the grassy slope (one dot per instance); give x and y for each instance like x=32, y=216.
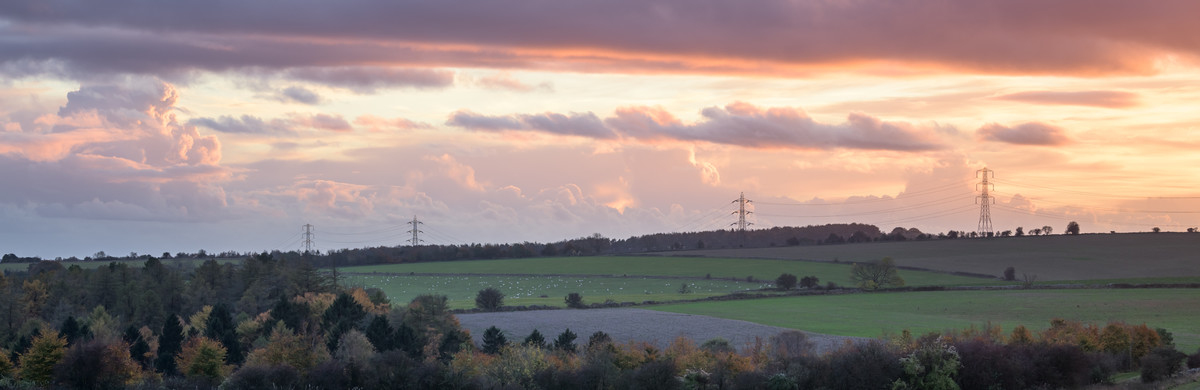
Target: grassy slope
x=527, y=290
x=871, y=315
x=761, y=269
x=1058, y=257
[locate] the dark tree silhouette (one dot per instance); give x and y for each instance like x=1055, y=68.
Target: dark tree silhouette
x=489, y=299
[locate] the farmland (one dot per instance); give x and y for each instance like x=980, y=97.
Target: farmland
x=620, y=279
x=1059, y=257
x=874, y=314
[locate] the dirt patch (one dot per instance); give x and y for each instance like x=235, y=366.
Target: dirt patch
x=655, y=327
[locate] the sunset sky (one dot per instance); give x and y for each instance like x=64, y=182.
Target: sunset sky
x=149, y=126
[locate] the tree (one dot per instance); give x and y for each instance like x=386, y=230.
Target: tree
x=354, y=349
x=220, y=327
x=1048, y=230
x=574, y=301
x=169, y=344
x=1156, y=229
x=489, y=299
x=1161, y=363
x=785, y=281
x=932, y=366
x=97, y=364
x=380, y=333
x=1020, y=231
x=565, y=341
x=1036, y=231
x=880, y=274
x=810, y=282
x=536, y=339
x=1010, y=274
x=47, y=350
x=343, y=315
x=203, y=357
x=493, y=340
x=1073, y=228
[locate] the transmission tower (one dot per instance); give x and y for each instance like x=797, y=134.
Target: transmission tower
x=308, y=238
x=985, y=201
x=415, y=240
x=741, y=212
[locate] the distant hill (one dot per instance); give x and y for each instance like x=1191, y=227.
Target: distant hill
x=1057, y=257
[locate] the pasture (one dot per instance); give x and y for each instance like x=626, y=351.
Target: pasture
x=545, y=290
x=695, y=267
x=1051, y=258
x=876, y=314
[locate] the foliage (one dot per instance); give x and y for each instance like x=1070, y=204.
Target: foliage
x=220, y=327
x=517, y=365
x=169, y=344
x=341, y=316
x=98, y=364
x=493, y=340
x=1161, y=363
x=47, y=350
x=1072, y=228
x=565, y=341
x=6, y=364
x=932, y=366
x=287, y=348
x=535, y=339
x=810, y=282
x=203, y=358
x=785, y=281
x=489, y=299
x=574, y=301
x=875, y=275
x=1010, y=274
x=354, y=349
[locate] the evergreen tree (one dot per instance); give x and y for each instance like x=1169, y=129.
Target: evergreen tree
x=70, y=330
x=137, y=346
x=37, y=364
x=170, y=342
x=535, y=339
x=493, y=340
x=343, y=315
x=565, y=341
x=220, y=327
x=292, y=314
x=380, y=333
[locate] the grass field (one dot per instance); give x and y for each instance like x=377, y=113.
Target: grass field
x=760, y=269
x=872, y=315
x=529, y=290
x=1057, y=257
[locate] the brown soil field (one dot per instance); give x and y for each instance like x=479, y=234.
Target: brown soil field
x=1057, y=257
x=624, y=325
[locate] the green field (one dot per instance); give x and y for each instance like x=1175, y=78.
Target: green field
x=760, y=269
x=874, y=314
x=1057, y=257
x=529, y=290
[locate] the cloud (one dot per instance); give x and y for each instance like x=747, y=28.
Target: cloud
x=115, y=151
x=246, y=124
x=1030, y=133
x=298, y=95
x=1106, y=99
x=578, y=124
x=367, y=80
x=739, y=124
x=375, y=123
x=506, y=81
x=763, y=36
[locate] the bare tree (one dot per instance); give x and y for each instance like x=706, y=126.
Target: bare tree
x=1048, y=230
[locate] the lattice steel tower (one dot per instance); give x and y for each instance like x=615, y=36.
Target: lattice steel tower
x=308, y=238
x=985, y=201
x=415, y=239
x=741, y=212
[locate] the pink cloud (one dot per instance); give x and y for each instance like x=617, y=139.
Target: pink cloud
x=1030, y=133
x=1107, y=99
x=376, y=123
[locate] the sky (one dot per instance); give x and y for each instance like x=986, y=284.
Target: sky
x=148, y=126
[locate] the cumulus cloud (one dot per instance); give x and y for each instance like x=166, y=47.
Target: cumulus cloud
x=115, y=151
x=246, y=124
x=991, y=36
x=1106, y=99
x=1030, y=133
x=579, y=124
x=739, y=124
x=297, y=95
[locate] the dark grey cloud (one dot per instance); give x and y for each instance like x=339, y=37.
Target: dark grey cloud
x=1030, y=133
x=580, y=124
x=298, y=95
x=737, y=124
x=1107, y=99
x=246, y=124
x=992, y=36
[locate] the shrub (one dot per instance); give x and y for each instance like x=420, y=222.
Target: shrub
x=785, y=281
x=574, y=301
x=1161, y=363
x=489, y=299
x=263, y=377
x=1193, y=360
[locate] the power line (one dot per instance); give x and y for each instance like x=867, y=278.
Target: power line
x=904, y=196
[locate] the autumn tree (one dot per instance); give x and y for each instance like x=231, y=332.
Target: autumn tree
x=875, y=275
x=203, y=358
x=47, y=350
x=98, y=364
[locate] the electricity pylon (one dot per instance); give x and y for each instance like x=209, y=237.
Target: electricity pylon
x=415, y=240
x=985, y=201
x=741, y=212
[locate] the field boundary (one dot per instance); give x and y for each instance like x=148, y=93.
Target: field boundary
x=903, y=267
